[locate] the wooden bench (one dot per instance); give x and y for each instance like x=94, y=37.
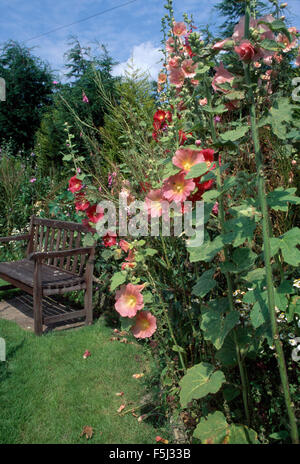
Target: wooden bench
x=54, y=264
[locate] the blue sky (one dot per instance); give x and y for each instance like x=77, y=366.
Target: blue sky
x=131, y=31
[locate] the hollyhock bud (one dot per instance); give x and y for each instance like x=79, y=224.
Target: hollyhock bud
x=245, y=51
x=203, y=101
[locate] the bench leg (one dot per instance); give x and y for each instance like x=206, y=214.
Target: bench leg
x=88, y=304
x=37, y=312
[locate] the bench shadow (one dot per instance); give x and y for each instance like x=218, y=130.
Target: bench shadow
x=22, y=304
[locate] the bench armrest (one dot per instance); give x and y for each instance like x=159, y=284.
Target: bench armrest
x=15, y=238
x=40, y=255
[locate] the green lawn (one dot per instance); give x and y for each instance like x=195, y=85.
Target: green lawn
x=48, y=392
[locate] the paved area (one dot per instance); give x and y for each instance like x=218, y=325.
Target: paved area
x=19, y=309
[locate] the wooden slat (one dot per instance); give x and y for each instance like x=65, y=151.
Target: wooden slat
x=36, y=238
x=64, y=317
x=63, y=247
x=77, y=245
x=51, y=243
x=41, y=238
x=70, y=247
x=57, y=245
x=15, y=238
x=62, y=290
x=46, y=239
x=60, y=224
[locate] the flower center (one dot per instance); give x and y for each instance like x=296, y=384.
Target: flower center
x=131, y=300
x=179, y=188
x=187, y=165
x=144, y=324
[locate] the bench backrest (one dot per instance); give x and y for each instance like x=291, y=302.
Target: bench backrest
x=52, y=235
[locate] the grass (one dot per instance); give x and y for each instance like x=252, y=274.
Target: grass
x=48, y=392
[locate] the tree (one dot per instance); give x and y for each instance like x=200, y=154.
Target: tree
x=28, y=92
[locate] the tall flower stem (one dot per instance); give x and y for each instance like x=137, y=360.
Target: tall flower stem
x=241, y=365
x=266, y=242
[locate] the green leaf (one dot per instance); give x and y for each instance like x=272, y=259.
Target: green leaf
x=170, y=170
x=288, y=245
x=205, y=284
x=199, y=381
x=197, y=170
x=279, y=198
x=211, y=195
x=118, y=278
x=207, y=251
x=88, y=240
x=235, y=134
x=242, y=228
x=212, y=430
x=216, y=110
x=215, y=324
x=126, y=323
x=230, y=393
x=241, y=435
x=243, y=259
x=271, y=45
x=150, y=251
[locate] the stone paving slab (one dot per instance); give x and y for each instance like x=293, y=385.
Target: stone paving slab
x=19, y=309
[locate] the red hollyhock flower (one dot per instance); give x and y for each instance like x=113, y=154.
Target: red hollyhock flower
x=81, y=203
x=169, y=116
x=75, y=184
x=202, y=187
x=110, y=239
x=94, y=215
x=156, y=125
x=208, y=154
x=245, y=51
x=160, y=116
x=183, y=136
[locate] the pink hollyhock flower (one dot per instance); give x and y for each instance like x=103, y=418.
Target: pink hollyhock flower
x=194, y=82
x=177, y=188
x=154, y=202
x=177, y=77
x=129, y=300
x=84, y=98
x=264, y=30
x=110, y=239
x=185, y=158
x=130, y=265
x=198, y=143
x=220, y=45
x=215, y=209
x=173, y=62
x=145, y=325
x=75, y=184
x=170, y=45
x=222, y=76
x=189, y=68
x=283, y=39
x=162, y=77
x=94, y=213
x=33, y=180
x=245, y=51
x=203, y=101
x=124, y=245
x=179, y=29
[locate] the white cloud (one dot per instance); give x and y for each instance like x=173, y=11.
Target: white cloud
x=144, y=57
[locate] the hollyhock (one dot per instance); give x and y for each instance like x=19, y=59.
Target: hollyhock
x=202, y=187
x=177, y=188
x=264, y=31
x=208, y=157
x=33, y=180
x=194, y=82
x=203, y=101
x=153, y=201
x=162, y=77
x=170, y=45
x=129, y=300
x=160, y=116
x=198, y=143
x=75, y=184
x=245, y=51
x=222, y=76
x=156, y=125
x=220, y=45
x=130, y=265
x=110, y=239
x=124, y=245
x=169, y=116
x=94, y=213
x=183, y=136
x=179, y=29
x=215, y=209
x=84, y=98
x=145, y=325
x=283, y=39
x=185, y=158
x=173, y=62
x=189, y=68
x=177, y=77
x=81, y=203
